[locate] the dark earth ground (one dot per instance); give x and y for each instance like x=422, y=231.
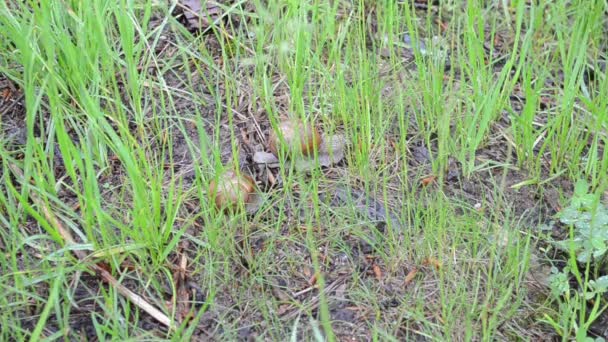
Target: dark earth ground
x=534, y=205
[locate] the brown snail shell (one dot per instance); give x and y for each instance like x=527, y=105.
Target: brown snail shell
x=230, y=189
x=298, y=137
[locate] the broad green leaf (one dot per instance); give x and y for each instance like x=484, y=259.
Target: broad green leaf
x=587, y=200
x=584, y=256
x=600, y=284
x=598, y=243
x=601, y=218
x=559, y=283
x=569, y=215
x=581, y=188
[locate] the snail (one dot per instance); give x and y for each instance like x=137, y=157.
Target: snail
x=230, y=189
x=296, y=136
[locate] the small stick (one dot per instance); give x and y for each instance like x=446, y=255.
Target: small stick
x=316, y=301
x=81, y=255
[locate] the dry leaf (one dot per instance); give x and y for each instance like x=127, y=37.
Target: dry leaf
x=410, y=276
x=442, y=25
x=312, y=280
x=431, y=261
x=307, y=272
x=377, y=272
x=198, y=12
x=6, y=94
x=266, y=158
x=271, y=178
x=428, y=180
x=245, y=138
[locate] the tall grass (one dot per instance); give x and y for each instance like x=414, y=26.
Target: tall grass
x=129, y=116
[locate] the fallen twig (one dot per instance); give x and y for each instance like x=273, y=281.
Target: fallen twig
x=181, y=300
x=314, y=302
x=102, y=272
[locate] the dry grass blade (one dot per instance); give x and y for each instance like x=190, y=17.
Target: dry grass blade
x=182, y=296
x=316, y=301
x=104, y=274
